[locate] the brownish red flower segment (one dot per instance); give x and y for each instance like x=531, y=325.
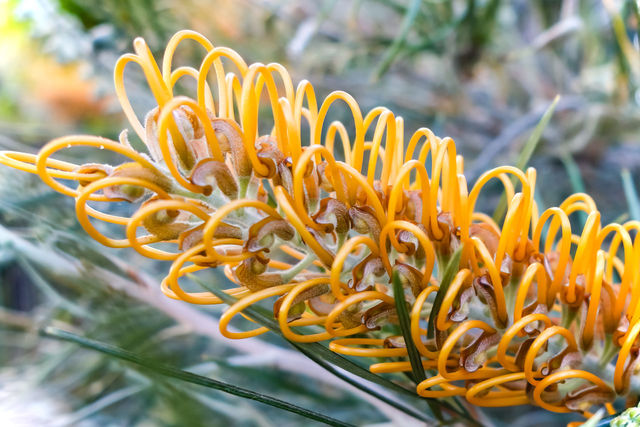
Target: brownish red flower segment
x=318, y=217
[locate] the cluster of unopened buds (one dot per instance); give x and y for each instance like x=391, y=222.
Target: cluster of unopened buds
x=537, y=312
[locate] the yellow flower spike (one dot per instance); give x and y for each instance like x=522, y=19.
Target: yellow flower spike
x=410, y=194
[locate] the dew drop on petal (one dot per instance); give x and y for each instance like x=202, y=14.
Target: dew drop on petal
x=102, y=147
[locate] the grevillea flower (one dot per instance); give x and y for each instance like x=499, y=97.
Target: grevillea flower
x=318, y=218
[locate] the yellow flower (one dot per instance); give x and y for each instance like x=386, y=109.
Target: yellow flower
x=533, y=302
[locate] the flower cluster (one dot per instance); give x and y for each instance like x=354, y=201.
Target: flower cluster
x=252, y=180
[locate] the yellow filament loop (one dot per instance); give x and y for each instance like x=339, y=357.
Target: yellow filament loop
x=458, y=281
x=562, y=376
x=594, y=302
x=583, y=262
x=298, y=181
x=345, y=346
x=83, y=215
x=82, y=140
x=338, y=263
x=166, y=122
x=55, y=168
x=284, y=203
x=178, y=73
x=497, y=398
x=429, y=251
x=214, y=58
x=245, y=302
x=448, y=389
x=509, y=335
x=286, y=306
x=386, y=121
x=151, y=208
x=171, y=287
x=629, y=255
x=358, y=149
x=361, y=184
x=396, y=191
x=121, y=92
x=217, y=217
x=450, y=343
x=416, y=332
x=537, y=344
x=496, y=280
x=623, y=355
x=250, y=111
x=348, y=302
x=564, y=246
x=534, y=271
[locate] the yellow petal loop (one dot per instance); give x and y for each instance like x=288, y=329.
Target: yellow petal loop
x=531, y=302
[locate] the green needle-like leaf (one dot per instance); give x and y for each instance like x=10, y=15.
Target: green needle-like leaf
x=412, y=351
x=450, y=272
x=631, y=194
x=188, y=376
x=405, y=327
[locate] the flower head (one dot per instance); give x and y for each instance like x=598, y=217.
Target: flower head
x=324, y=228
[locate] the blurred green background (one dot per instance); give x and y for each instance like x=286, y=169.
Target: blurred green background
x=480, y=71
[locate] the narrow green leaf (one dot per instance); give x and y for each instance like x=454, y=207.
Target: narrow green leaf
x=412, y=351
x=450, y=272
x=405, y=327
x=169, y=371
x=526, y=153
x=399, y=41
x=631, y=194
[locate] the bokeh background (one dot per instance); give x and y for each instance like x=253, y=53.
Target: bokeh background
x=480, y=71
